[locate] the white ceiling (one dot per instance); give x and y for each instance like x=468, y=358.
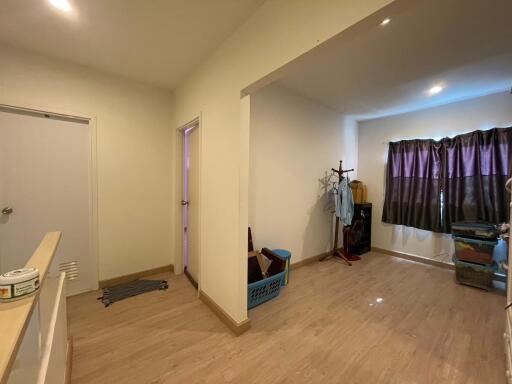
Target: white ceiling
x=373, y=70
x=154, y=41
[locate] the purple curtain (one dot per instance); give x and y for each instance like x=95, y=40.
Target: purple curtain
x=476, y=166
x=413, y=184
x=432, y=184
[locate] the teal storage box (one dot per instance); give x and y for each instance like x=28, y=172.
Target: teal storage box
x=476, y=275
x=286, y=256
x=471, y=250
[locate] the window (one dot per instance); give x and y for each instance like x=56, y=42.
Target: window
x=431, y=184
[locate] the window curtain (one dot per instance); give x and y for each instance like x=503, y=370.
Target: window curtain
x=475, y=169
x=413, y=184
x=432, y=184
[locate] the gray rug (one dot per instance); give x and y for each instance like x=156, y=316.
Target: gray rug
x=133, y=288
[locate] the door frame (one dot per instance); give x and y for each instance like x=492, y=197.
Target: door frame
x=178, y=262
x=93, y=174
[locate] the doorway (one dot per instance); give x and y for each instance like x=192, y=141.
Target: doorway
x=190, y=202
x=45, y=185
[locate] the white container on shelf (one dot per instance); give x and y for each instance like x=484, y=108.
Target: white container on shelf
x=18, y=284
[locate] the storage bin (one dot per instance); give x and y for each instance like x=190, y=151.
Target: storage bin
x=264, y=290
x=286, y=256
x=474, y=250
x=476, y=275
x=478, y=230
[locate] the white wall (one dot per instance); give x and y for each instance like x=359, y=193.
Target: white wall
x=294, y=142
x=449, y=120
x=135, y=142
x=278, y=32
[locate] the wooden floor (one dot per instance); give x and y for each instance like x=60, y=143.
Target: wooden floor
x=326, y=327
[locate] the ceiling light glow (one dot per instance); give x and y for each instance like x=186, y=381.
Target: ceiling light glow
x=63, y=5
x=385, y=21
x=435, y=90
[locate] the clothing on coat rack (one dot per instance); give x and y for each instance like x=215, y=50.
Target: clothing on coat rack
x=335, y=204
x=342, y=201
x=346, y=202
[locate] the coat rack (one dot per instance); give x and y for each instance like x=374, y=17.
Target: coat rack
x=338, y=252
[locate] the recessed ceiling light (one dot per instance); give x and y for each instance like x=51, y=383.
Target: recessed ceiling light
x=63, y=5
x=385, y=21
x=435, y=90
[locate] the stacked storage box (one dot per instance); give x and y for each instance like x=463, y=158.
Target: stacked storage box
x=474, y=248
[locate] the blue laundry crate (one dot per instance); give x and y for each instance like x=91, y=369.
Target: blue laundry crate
x=286, y=256
x=264, y=290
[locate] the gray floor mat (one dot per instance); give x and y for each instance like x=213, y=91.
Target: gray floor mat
x=133, y=288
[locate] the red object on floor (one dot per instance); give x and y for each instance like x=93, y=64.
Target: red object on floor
x=351, y=257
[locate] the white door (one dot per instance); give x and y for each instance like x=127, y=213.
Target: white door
x=191, y=203
x=44, y=174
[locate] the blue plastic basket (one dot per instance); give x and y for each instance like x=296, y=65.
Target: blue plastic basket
x=264, y=290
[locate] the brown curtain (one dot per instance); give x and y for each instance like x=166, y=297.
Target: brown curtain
x=432, y=184
x=475, y=168
x=413, y=184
